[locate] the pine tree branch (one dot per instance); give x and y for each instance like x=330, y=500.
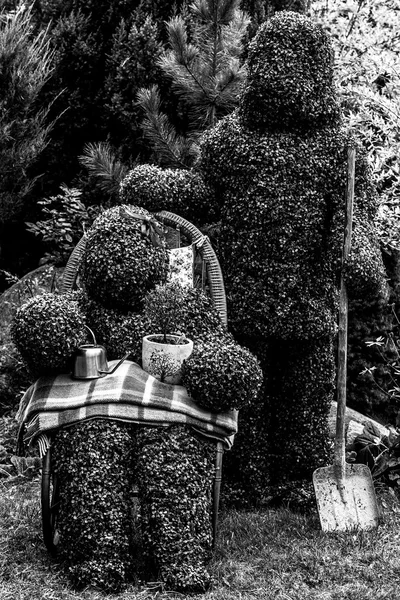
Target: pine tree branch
x=103, y=165
x=172, y=149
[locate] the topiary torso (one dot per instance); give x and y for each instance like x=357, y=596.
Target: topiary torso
x=280, y=196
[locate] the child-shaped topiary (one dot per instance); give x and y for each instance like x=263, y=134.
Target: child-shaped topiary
x=278, y=166
x=98, y=462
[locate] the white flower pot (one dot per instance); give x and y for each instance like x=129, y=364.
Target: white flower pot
x=164, y=361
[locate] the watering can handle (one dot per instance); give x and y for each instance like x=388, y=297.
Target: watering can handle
x=340, y=455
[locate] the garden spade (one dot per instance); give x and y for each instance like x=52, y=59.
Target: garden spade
x=345, y=492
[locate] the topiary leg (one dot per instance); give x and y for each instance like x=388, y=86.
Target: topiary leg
x=298, y=409
x=175, y=474
x=94, y=462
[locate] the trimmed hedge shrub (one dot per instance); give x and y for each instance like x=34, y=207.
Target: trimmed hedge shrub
x=178, y=190
x=120, y=263
x=46, y=330
x=94, y=462
x=222, y=376
x=175, y=474
x=365, y=273
x=195, y=315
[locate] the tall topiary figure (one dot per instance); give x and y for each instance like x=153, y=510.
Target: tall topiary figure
x=278, y=169
x=279, y=165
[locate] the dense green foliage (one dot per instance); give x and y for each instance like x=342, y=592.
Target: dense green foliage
x=298, y=82
x=205, y=65
x=193, y=315
x=222, y=375
x=120, y=264
x=64, y=223
x=46, y=331
x=175, y=474
x=179, y=190
x=94, y=462
x=366, y=45
x=26, y=63
x=368, y=83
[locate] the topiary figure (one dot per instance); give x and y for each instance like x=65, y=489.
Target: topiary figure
x=279, y=165
x=98, y=461
x=278, y=168
x=175, y=475
x=46, y=330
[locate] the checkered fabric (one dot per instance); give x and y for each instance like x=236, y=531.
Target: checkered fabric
x=129, y=394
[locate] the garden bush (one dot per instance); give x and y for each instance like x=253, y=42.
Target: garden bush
x=194, y=315
x=222, y=376
x=46, y=330
x=366, y=51
x=66, y=220
x=120, y=264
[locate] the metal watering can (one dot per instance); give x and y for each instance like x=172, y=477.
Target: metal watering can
x=90, y=361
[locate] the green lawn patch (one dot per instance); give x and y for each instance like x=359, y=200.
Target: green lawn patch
x=264, y=555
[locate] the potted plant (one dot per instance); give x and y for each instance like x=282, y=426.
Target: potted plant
x=164, y=352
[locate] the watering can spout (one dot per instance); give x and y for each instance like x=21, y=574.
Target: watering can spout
x=115, y=367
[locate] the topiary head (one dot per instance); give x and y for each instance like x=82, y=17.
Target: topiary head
x=121, y=261
x=46, y=330
x=290, y=75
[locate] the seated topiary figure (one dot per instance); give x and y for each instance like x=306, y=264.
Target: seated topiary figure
x=97, y=462
x=278, y=167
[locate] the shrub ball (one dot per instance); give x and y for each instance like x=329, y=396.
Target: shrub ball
x=46, y=330
x=120, y=263
x=222, y=376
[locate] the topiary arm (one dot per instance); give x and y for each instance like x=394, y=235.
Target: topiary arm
x=364, y=271
x=220, y=375
x=177, y=190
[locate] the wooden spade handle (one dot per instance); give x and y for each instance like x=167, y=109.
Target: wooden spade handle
x=340, y=455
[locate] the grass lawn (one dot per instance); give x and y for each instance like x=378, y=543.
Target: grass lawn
x=270, y=555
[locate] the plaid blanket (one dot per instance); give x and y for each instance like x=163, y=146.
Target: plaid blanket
x=129, y=394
